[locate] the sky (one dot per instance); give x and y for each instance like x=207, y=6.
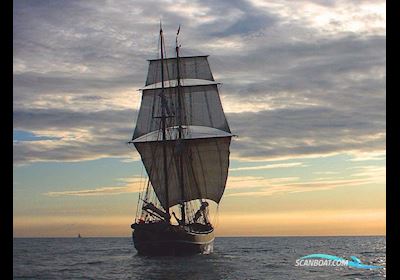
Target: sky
x=303, y=85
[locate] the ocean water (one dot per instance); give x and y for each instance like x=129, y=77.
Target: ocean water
x=233, y=258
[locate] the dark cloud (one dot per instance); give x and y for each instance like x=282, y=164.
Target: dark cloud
x=97, y=134
x=249, y=18
x=39, y=83
x=247, y=24
x=57, y=119
x=297, y=132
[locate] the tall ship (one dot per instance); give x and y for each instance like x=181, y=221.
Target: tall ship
x=183, y=139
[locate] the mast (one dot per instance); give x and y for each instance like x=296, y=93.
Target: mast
x=180, y=134
x=163, y=125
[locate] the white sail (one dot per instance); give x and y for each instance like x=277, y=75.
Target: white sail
x=205, y=167
x=201, y=106
x=190, y=67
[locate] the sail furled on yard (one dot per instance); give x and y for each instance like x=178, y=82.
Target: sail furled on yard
x=191, y=67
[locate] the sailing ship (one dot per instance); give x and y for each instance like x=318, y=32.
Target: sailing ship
x=183, y=138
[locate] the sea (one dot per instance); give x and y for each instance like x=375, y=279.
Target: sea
x=233, y=258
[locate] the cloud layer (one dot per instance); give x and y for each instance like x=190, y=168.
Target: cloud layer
x=299, y=78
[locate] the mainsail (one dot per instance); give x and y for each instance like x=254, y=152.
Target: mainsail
x=196, y=141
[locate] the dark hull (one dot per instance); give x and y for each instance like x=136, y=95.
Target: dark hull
x=162, y=239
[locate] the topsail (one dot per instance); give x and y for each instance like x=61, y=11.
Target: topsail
x=190, y=67
x=201, y=106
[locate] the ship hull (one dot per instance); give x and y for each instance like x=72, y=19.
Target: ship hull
x=162, y=239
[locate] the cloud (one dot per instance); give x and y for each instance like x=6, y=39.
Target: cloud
x=247, y=186
x=99, y=191
x=134, y=184
x=254, y=182
x=381, y=155
x=267, y=187
x=254, y=185
x=326, y=172
x=294, y=85
x=376, y=173
x=330, y=17
x=82, y=135
x=300, y=132
x=269, y=166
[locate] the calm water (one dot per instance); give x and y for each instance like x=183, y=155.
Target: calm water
x=233, y=258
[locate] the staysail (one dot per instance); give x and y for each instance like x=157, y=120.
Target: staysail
x=199, y=157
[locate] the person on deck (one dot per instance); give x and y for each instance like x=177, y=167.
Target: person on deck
x=203, y=211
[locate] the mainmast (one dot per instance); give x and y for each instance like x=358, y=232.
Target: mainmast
x=163, y=126
x=180, y=134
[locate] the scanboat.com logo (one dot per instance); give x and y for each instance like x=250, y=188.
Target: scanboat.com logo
x=330, y=260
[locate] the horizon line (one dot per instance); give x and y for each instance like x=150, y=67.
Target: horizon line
x=223, y=236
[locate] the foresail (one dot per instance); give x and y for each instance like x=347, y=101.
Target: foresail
x=201, y=106
x=191, y=67
x=205, y=168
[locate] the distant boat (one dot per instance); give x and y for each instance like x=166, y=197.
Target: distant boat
x=79, y=235
x=183, y=138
